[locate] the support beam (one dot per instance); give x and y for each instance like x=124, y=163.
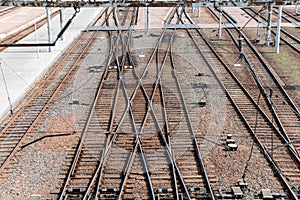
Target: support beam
x=134, y=3
x=277, y=40
x=49, y=27
x=269, y=23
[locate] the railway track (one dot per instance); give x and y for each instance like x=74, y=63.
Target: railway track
x=139, y=141
x=277, y=125
x=28, y=116
x=19, y=35
x=290, y=40
x=5, y=10
x=140, y=155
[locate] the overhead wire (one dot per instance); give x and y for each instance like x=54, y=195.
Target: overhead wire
x=6, y=88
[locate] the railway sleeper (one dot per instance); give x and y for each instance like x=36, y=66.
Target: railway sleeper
x=83, y=166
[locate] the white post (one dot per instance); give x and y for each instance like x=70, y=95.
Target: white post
x=49, y=27
x=277, y=41
x=193, y=8
x=199, y=11
x=36, y=34
x=269, y=23
x=296, y=9
x=220, y=23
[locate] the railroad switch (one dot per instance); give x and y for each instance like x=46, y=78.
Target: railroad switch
x=200, y=74
x=113, y=67
x=128, y=67
x=230, y=143
x=267, y=194
x=237, y=192
x=194, y=189
x=109, y=190
x=242, y=184
x=240, y=44
x=202, y=103
x=76, y=190
x=297, y=190
x=237, y=65
x=164, y=190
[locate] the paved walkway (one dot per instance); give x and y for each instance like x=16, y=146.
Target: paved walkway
x=21, y=66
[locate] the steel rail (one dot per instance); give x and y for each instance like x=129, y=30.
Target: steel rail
x=43, y=85
x=45, y=106
x=262, y=89
x=108, y=146
x=80, y=144
x=166, y=125
x=111, y=140
x=282, y=133
x=7, y=10
x=264, y=63
x=288, y=14
x=150, y=108
x=169, y=151
x=158, y=82
x=199, y=156
x=82, y=137
x=276, y=169
x=273, y=32
x=160, y=132
x=291, y=16
x=137, y=142
x=112, y=51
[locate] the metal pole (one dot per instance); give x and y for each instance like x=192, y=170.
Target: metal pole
x=220, y=23
x=49, y=27
x=36, y=34
x=193, y=8
x=269, y=22
x=258, y=27
x=61, y=22
x=296, y=9
x=147, y=20
x=277, y=40
x=199, y=10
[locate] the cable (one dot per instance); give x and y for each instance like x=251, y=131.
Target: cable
x=27, y=84
x=247, y=162
x=6, y=89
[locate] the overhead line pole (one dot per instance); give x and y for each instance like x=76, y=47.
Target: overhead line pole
x=277, y=40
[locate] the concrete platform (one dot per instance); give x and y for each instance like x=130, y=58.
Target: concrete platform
x=23, y=65
x=20, y=18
